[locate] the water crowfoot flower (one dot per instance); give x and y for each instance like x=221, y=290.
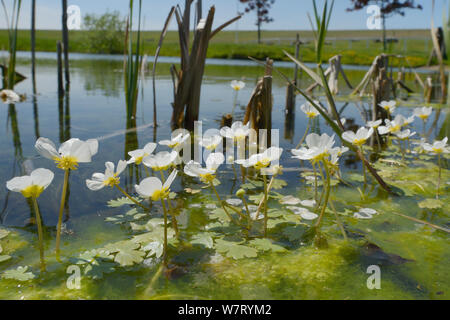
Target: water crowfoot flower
x=423, y=113
x=110, y=179
x=438, y=148
x=152, y=188
x=177, y=142
x=389, y=106
x=237, y=132
x=68, y=156
x=9, y=96
x=359, y=139
x=211, y=142
x=31, y=187
x=237, y=85
x=138, y=155
x=161, y=161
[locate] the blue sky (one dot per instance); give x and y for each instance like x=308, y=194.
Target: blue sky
x=288, y=14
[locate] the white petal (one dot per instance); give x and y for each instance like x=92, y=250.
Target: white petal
x=148, y=186
x=94, y=185
x=93, y=146
x=46, y=148
x=109, y=172
x=121, y=166
x=42, y=177
x=149, y=148
x=170, y=179
x=81, y=151
x=19, y=183
x=214, y=160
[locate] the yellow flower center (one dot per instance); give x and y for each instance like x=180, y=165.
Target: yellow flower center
x=207, y=178
x=32, y=191
x=359, y=142
x=237, y=88
x=311, y=114
x=438, y=150
x=111, y=182
x=174, y=145
x=423, y=116
x=396, y=128
x=264, y=163
x=66, y=163
x=160, y=194
x=211, y=147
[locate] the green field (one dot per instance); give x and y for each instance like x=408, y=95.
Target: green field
x=358, y=47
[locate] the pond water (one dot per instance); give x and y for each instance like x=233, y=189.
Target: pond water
x=413, y=258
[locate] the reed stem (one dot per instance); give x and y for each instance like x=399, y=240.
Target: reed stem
x=165, y=233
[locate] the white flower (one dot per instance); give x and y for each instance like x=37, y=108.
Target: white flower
x=153, y=188
x=374, y=124
x=309, y=109
x=308, y=203
x=109, y=178
x=262, y=160
x=161, y=161
x=365, y=213
x=32, y=185
x=389, y=106
x=437, y=147
x=207, y=174
x=304, y=213
x=177, y=142
x=138, y=155
x=234, y=202
x=290, y=200
x=358, y=139
x=406, y=134
x=238, y=131
x=394, y=126
x=237, y=85
x=343, y=121
x=211, y=142
x=423, y=113
x=70, y=153
x=318, y=147
x=9, y=96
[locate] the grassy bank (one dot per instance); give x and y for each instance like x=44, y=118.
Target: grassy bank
x=358, y=47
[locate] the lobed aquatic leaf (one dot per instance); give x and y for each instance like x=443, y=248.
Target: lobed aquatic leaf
x=121, y=202
x=431, y=204
x=155, y=248
x=19, y=274
x=131, y=215
x=4, y=258
x=127, y=253
x=266, y=245
x=205, y=239
x=3, y=233
x=234, y=250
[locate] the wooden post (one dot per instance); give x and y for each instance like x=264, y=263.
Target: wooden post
x=290, y=91
x=60, y=71
x=33, y=41
x=65, y=35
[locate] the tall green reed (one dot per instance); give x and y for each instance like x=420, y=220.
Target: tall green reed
x=12, y=23
x=132, y=63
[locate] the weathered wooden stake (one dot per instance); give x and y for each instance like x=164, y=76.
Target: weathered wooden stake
x=65, y=35
x=60, y=71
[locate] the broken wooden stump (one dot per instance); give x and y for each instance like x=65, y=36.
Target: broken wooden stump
x=259, y=108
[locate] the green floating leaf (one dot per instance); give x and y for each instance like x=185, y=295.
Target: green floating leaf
x=97, y=270
x=294, y=233
x=235, y=250
x=278, y=184
x=155, y=248
x=127, y=253
x=219, y=214
x=4, y=258
x=266, y=245
x=131, y=215
x=205, y=239
x=19, y=274
x=3, y=233
x=252, y=184
x=92, y=255
x=121, y=202
x=431, y=204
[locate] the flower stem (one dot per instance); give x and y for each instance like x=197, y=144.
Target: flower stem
x=61, y=209
x=304, y=136
x=439, y=176
x=40, y=233
x=339, y=222
x=165, y=233
x=146, y=171
x=220, y=200
x=265, y=205
x=364, y=167
x=327, y=196
x=173, y=218
x=131, y=198
x=315, y=181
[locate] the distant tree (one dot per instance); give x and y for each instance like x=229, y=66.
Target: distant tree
x=388, y=9
x=106, y=32
x=262, y=8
